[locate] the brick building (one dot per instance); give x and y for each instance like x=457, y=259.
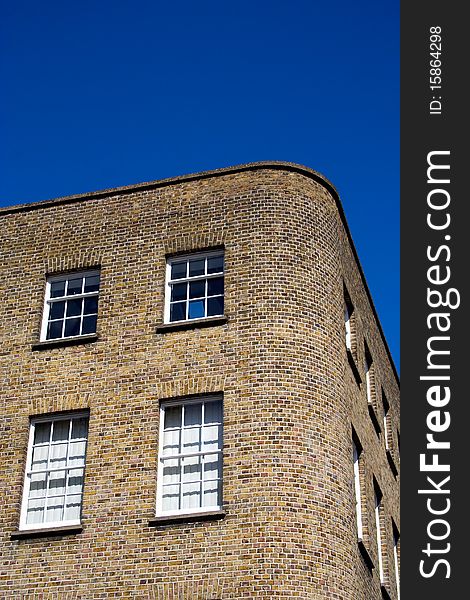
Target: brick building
x=198, y=401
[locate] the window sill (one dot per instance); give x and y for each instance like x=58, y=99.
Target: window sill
x=352, y=364
x=392, y=464
x=213, y=515
x=45, y=532
x=192, y=324
x=373, y=418
x=365, y=555
x=71, y=341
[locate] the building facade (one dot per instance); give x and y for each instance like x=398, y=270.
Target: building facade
x=198, y=401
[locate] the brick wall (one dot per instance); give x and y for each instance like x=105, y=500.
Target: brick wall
x=291, y=396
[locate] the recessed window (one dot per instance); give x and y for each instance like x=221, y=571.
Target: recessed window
x=55, y=469
x=368, y=373
x=386, y=417
x=378, y=528
x=348, y=321
x=71, y=305
x=396, y=556
x=195, y=287
x=190, y=456
x=357, y=450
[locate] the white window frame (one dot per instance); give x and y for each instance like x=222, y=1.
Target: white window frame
x=169, y=283
x=48, y=301
x=368, y=362
x=185, y=402
x=357, y=489
x=386, y=409
x=378, y=520
x=347, y=326
x=28, y=471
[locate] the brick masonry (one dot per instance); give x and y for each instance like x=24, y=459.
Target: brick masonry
x=291, y=397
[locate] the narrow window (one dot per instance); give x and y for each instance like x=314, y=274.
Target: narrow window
x=386, y=419
x=396, y=556
x=357, y=486
x=71, y=305
x=55, y=471
x=190, y=456
x=195, y=286
x=348, y=325
x=378, y=522
x=368, y=373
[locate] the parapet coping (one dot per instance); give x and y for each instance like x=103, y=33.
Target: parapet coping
x=267, y=165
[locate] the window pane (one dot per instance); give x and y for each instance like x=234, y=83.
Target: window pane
x=215, y=264
x=40, y=455
x=171, y=497
x=196, y=267
x=171, y=441
x=90, y=305
x=60, y=430
x=56, y=483
x=42, y=432
x=72, y=327
x=191, y=469
x=37, y=487
x=54, y=510
x=171, y=471
x=72, y=508
x=56, y=310
x=74, y=286
x=54, y=330
x=211, y=493
x=213, y=412
x=196, y=309
x=74, y=307
x=191, y=440
x=192, y=414
x=92, y=283
x=58, y=456
x=57, y=288
x=35, y=511
x=178, y=311
x=191, y=495
x=89, y=324
x=77, y=454
x=215, y=306
x=215, y=286
x=212, y=437
x=79, y=428
x=178, y=270
x=178, y=291
x=75, y=481
x=172, y=416
x=212, y=467
x=197, y=289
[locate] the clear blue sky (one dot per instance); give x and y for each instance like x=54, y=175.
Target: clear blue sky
x=98, y=94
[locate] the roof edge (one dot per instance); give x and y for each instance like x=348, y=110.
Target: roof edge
x=254, y=166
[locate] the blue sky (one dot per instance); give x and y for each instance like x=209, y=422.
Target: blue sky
x=109, y=93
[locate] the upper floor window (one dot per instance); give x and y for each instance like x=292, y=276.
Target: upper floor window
x=396, y=556
x=71, y=305
x=357, y=450
x=190, y=456
x=348, y=321
x=195, y=286
x=378, y=528
x=55, y=468
x=386, y=417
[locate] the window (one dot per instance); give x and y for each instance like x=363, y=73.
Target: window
x=348, y=320
x=195, y=286
x=378, y=528
x=190, y=456
x=71, y=305
x=368, y=373
x=53, y=486
x=357, y=487
x=396, y=556
x=387, y=435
